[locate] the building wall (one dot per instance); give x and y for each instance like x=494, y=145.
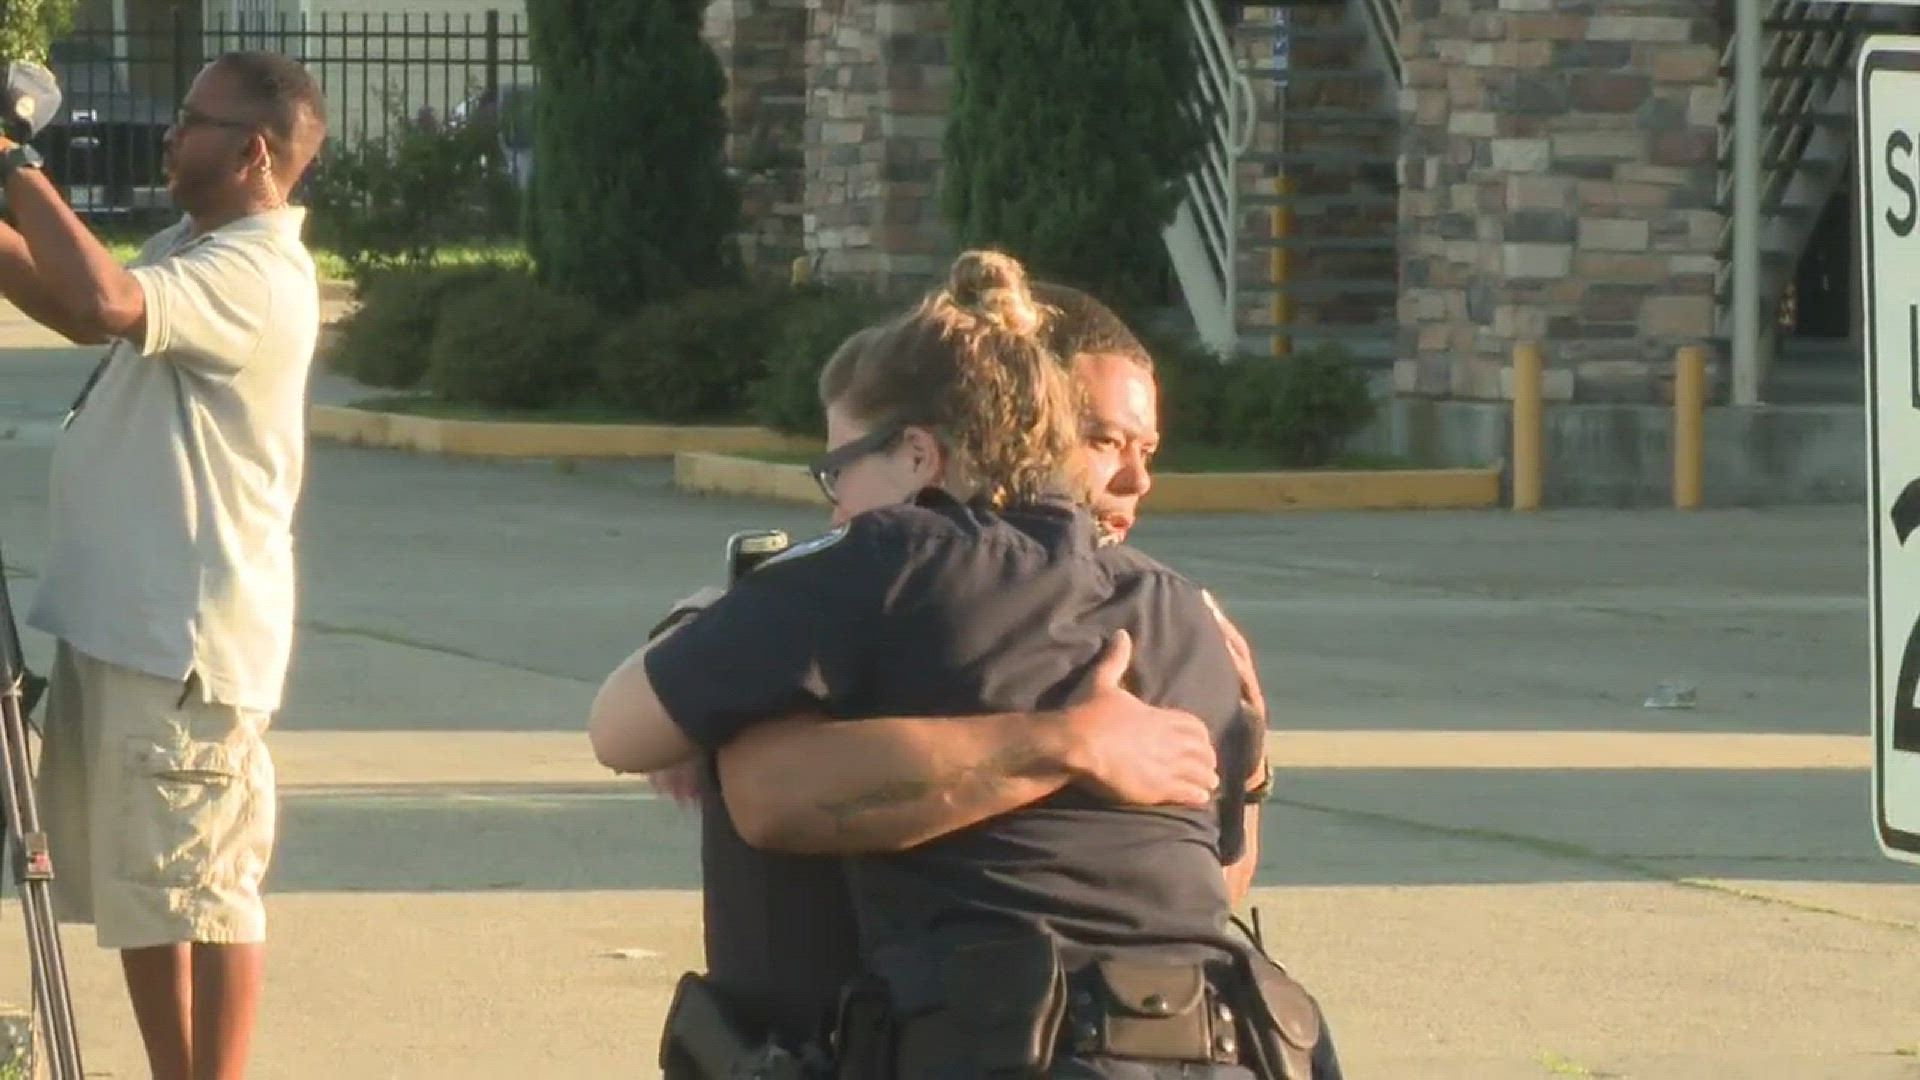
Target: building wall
x=762, y=45
x=1558, y=186
x=877, y=82
x=1558, y=179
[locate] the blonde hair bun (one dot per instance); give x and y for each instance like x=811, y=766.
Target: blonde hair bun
x=992, y=286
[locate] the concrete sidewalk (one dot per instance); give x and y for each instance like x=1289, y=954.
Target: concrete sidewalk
x=1487, y=856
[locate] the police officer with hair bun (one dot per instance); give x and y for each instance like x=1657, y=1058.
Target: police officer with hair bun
x=1076, y=936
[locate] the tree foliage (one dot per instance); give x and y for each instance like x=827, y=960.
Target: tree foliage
x=28, y=27
x=631, y=198
x=1067, y=141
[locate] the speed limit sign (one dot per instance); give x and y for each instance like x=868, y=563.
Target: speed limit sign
x=1888, y=88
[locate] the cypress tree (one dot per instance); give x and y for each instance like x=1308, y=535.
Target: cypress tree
x=630, y=200
x=28, y=27
x=1067, y=142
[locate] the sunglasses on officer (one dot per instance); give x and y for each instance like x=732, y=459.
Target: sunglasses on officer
x=826, y=469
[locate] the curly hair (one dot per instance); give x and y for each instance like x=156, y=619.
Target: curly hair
x=970, y=364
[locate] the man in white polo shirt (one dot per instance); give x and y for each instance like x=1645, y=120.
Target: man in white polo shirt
x=169, y=577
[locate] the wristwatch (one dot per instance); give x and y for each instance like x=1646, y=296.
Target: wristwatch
x=18, y=156
x=1261, y=791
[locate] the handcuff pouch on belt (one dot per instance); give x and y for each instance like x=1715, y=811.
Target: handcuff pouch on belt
x=1281, y=1016
x=1150, y=1009
x=985, y=1003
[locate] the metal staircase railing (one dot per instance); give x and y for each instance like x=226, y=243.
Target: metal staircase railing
x=1805, y=143
x=1203, y=238
x=1383, y=18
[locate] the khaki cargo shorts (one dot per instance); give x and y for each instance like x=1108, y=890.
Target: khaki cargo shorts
x=158, y=807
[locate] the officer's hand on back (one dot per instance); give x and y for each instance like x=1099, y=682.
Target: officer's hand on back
x=1133, y=752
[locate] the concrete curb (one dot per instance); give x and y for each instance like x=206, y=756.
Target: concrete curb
x=727, y=474
x=718, y=473
x=533, y=439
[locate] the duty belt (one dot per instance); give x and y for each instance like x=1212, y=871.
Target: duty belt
x=1153, y=1010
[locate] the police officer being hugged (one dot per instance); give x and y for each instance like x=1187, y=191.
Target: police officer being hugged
x=1076, y=936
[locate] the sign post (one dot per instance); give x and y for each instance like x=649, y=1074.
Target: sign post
x=1888, y=170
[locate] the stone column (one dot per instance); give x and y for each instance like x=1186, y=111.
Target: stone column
x=762, y=48
x=1558, y=186
x=878, y=81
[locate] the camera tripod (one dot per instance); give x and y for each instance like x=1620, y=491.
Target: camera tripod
x=25, y=847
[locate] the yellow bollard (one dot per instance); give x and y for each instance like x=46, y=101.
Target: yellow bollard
x=800, y=272
x=1526, y=426
x=1280, y=223
x=1689, y=426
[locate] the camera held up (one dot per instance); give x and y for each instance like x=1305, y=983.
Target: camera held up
x=30, y=100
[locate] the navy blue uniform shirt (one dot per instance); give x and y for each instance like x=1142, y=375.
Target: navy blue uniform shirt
x=780, y=934
x=932, y=608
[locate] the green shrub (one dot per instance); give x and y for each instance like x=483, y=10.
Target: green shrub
x=814, y=322
x=631, y=199
x=692, y=358
x=1191, y=379
x=395, y=202
x=513, y=344
x=385, y=341
x=1305, y=406
x=1070, y=131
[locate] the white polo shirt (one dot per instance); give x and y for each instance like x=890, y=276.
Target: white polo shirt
x=174, y=488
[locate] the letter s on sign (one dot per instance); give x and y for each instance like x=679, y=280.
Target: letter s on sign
x=1900, y=143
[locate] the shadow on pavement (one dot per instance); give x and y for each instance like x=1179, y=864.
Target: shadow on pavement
x=1341, y=827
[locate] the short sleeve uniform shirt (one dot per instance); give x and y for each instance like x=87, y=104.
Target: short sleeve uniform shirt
x=937, y=609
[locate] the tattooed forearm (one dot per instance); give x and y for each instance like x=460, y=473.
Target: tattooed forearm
x=931, y=806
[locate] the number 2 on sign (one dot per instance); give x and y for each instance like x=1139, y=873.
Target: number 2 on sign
x=1913, y=354
x=1906, y=711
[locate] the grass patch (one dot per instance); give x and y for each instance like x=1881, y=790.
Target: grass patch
x=1179, y=459
x=436, y=409
x=1206, y=459
x=16, y=1047
x=332, y=266
x=1190, y=459
x=1562, y=1066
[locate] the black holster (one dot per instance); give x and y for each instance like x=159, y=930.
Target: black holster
x=1280, y=1021
x=705, y=1038
x=978, y=1005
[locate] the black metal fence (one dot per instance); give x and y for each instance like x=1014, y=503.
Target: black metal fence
x=380, y=72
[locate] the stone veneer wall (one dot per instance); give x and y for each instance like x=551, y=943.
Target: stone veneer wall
x=1559, y=176
x=762, y=49
x=878, y=80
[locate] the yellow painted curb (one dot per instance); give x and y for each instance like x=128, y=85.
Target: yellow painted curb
x=516, y=438
x=1328, y=489
x=1399, y=489
x=725, y=474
